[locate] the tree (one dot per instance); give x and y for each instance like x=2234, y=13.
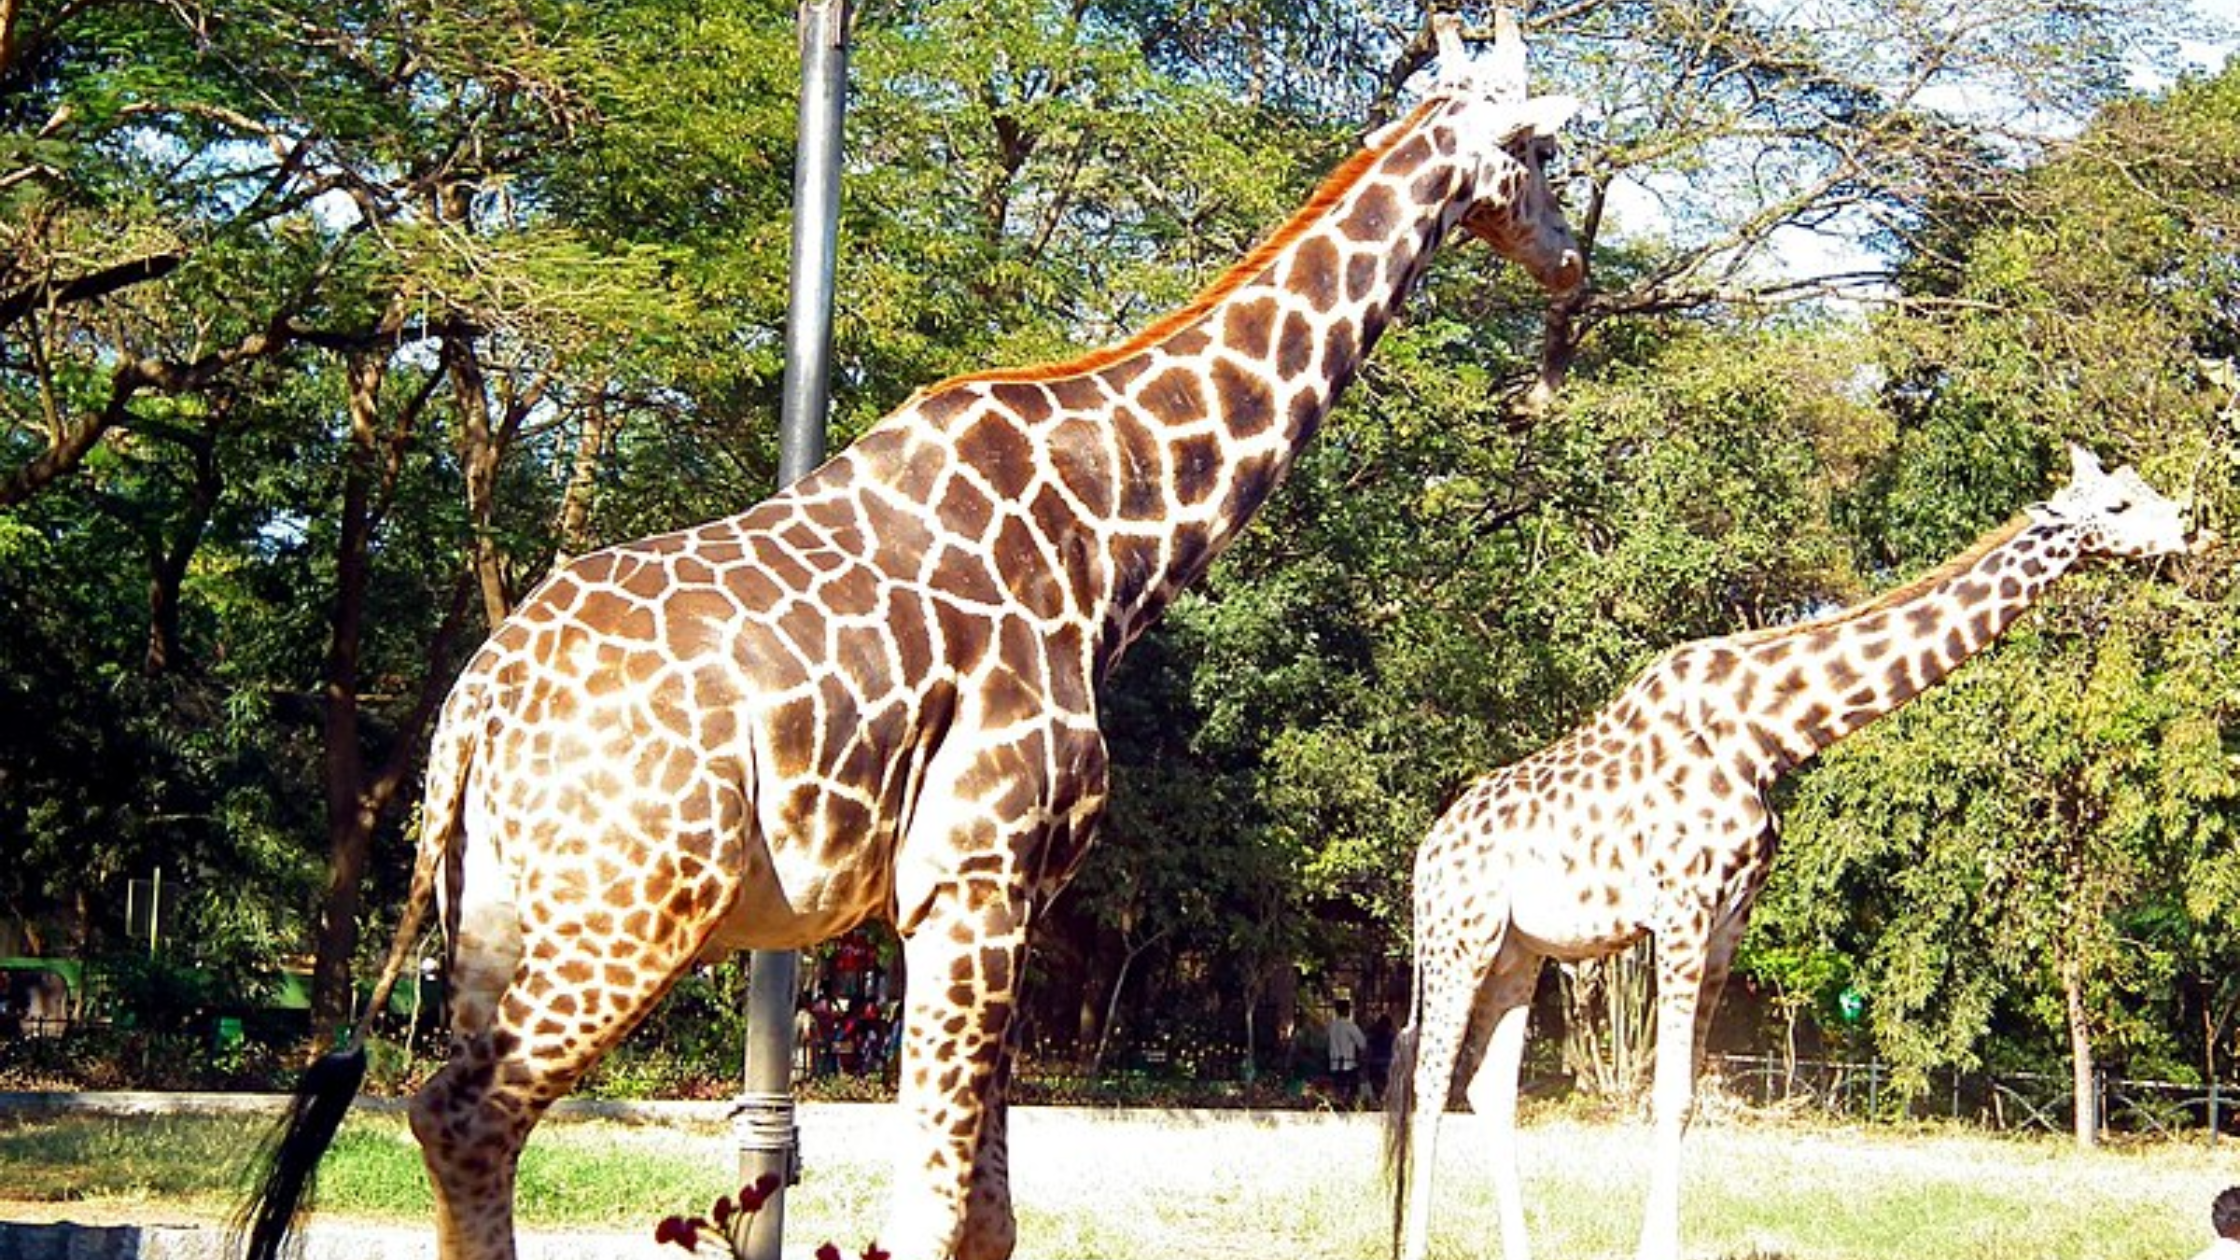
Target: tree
x=194, y=195
x=329, y=320
x=2032, y=840
x=1769, y=160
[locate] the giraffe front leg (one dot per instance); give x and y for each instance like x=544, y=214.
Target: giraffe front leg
x=1680, y=976
x=952, y=1192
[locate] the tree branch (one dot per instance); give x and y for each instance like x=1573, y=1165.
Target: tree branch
x=134, y=375
x=97, y=284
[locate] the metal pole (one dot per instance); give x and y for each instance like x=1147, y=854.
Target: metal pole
x=816, y=232
x=768, y=1140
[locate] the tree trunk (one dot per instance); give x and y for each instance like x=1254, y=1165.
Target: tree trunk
x=1249, y=1068
x=583, y=481
x=1283, y=991
x=2217, y=1009
x=1088, y=1015
x=357, y=797
x=1792, y=1011
x=1112, y=1001
x=168, y=561
x=1609, y=1029
x=349, y=824
x=2083, y=1076
x=10, y=12
x=479, y=449
x=1111, y=1013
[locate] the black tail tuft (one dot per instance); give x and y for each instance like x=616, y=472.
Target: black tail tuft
x=1399, y=1108
x=290, y=1162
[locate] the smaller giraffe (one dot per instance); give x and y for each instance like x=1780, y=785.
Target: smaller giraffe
x=1654, y=819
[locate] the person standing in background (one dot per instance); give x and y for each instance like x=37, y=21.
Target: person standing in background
x=1346, y=1046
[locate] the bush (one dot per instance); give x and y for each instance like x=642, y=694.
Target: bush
x=137, y=1058
x=113, y=1058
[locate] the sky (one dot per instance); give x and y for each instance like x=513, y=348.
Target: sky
x=1807, y=254
x=2225, y=13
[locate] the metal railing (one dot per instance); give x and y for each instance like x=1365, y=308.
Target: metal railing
x=2006, y=1101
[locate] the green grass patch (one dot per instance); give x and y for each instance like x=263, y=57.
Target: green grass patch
x=571, y=1175
x=602, y=1176
x=109, y=1158
x=1149, y=1185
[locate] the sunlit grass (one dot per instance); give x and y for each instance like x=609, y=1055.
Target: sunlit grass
x=1124, y=1186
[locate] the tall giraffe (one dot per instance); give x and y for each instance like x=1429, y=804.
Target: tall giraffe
x=1653, y=818
x=875, y=692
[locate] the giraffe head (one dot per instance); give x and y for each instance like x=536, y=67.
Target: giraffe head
x=1512, y=207
x=2114, y=513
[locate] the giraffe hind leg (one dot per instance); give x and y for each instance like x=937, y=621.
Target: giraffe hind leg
x=473, y=1205
x=1498, y=1025
x=532, y=1012
x=1440, y=1037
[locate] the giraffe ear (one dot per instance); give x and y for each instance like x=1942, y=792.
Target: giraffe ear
x=1499, y=76
x=2083, y=464
x=1543, y=115
x=1507, y=63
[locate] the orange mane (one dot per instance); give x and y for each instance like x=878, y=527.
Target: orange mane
x=1898, y=594
x=1326, y=194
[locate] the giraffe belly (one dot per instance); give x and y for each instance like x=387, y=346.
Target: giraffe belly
x=1569, y=916
x=763, y=918
x=1581, y=947
x=799, y=887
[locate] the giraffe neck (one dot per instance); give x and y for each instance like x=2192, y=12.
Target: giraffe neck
x=1820, y=681
x=1207, y=417
x=1086, y=494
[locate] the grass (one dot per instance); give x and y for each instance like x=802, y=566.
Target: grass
x=1139, y=1185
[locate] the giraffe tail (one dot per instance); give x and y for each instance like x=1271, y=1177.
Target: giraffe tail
x=451, y=753
x=1399, y=1111
x=289, y=1164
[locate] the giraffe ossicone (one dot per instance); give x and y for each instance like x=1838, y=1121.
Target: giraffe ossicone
x=874, y=694
x=1654, y=819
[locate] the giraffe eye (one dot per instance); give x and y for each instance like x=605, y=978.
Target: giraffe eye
x=1537, y=152
x=2118, y=509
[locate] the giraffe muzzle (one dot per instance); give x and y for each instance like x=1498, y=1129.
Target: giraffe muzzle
x=1568, y=274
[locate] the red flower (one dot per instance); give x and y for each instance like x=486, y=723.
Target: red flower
x=751, y=1198
x=874, y=1252
x=723, y=1212
x=678, y=1230
x=828, y=1252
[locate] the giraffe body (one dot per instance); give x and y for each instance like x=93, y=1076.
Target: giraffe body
x=1653, y=819
x=874, y=694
